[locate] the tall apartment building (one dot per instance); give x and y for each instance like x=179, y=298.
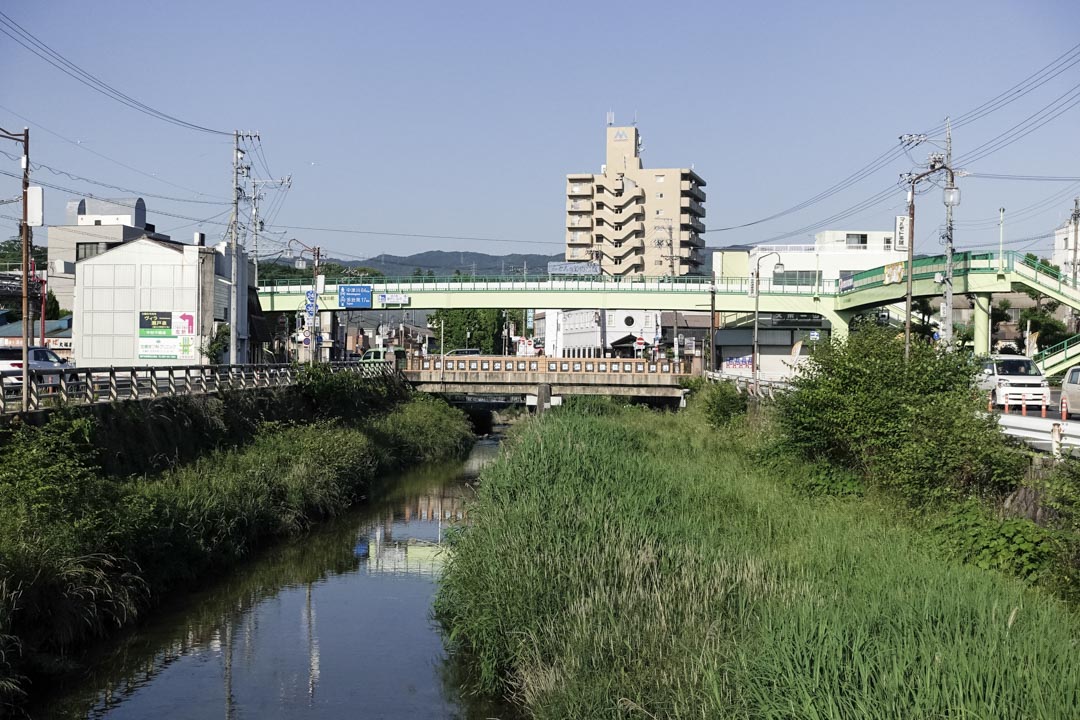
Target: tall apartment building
x=632, y=220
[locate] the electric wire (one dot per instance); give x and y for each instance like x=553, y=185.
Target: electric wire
x=80, y=145
x=28, y=41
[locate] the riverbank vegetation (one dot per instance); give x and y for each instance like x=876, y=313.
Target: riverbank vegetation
x=834, y=557
x=83, y=551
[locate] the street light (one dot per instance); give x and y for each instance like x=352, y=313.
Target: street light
x=779, y=268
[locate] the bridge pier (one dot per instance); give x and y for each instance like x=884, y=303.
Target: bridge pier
x=839, y=320
x=981, y=321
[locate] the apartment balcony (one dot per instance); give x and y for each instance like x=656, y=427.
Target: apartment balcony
x=579, y=189
x=632, y=213
x=579, y=222
x=578, y=237
x=579, y=206
x=625, y=232
x=692, y=206
x=689, y=238
x=687, y=220
x=578, y=253
x=611, y=186
x=693, y=190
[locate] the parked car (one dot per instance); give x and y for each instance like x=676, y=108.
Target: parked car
x=1070, y=391
x=1014, y=380
x=41, y=358
x=396, y=355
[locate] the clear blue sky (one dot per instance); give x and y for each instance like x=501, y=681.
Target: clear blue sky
x=463, y=118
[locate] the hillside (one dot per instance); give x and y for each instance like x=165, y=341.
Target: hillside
x=442, y=263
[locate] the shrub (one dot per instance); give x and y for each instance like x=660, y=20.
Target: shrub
x=915, y=425
x=721, y=403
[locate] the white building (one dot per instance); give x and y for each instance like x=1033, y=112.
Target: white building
x=1065, y=249
x=155, y=302
x=834, y=256
x=93, y=227
x=595, y=333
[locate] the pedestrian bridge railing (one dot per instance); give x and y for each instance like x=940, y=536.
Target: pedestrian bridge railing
x=91, y=385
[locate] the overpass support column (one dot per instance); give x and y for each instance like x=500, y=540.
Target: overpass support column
x=981, y=321
x=839, y=320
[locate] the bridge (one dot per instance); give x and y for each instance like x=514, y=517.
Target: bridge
x=546, y=377
x=981, y=275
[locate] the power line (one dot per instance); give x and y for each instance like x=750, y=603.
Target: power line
x=140, y=193
x=81, y=146
x=1048, y=72
x=24, y=38
x=1032, y=178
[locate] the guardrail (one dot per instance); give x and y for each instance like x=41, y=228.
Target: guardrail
x=91, y=385
x=1058, y=436
x=745, y=384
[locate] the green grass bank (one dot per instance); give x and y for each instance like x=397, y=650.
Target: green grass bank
x=629, y=564
x=85, y=550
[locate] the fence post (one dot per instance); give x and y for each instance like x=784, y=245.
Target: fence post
x=1055, y=441
x=114, y=393
x=133, y=391
x=34, y=400
x=91, y=391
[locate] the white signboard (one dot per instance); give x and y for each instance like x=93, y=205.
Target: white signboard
x=900, y=239
x=167, y=348
x=393, y=299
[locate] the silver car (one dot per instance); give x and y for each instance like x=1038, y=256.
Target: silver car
x=41, y=358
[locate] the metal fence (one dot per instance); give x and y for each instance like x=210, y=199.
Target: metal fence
x=87, y=386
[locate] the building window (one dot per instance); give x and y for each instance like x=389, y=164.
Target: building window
x=659, y=178
x=88, y=250
x=806, y=278
x=857, y=241
x=659, y=196
x=888, y=242
x=660, y=212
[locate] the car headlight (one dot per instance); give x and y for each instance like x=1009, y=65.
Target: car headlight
x=1003, y=383
x=1045, y=383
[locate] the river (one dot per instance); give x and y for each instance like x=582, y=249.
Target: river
x=334, y=624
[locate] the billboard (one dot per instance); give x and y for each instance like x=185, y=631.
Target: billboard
x=167, y=335
x=901, y=230
x=573, y=268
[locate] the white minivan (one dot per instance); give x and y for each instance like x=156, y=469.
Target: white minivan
x=1070, y=392
x=1014, y=380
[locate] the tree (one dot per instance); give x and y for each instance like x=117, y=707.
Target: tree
x=11, y=253
x=1051, y=330
x=1042, y=302
x=475, y=328
x=215, y=347
x=53, y=311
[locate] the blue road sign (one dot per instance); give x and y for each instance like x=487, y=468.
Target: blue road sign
x=309, y=308
x=310, y=295
x=354, y=296
x=307, y=341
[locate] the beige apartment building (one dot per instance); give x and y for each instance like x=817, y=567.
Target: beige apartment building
x=635, y=221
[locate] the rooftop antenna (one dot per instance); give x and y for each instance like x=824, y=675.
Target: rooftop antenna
x=610, y=117
x=635, y=118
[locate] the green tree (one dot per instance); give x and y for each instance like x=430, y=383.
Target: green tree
x=11, y=252
x=476, y=328
x=53, y=311
x=1051, y=330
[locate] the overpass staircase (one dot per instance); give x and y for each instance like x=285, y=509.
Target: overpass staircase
x=1058, y=358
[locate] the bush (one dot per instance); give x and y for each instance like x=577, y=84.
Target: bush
x=721, y=402
x=917, y=426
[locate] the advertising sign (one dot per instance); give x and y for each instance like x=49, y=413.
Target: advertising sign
x=901, y=232
x=166, y=335
x=354, y=296
x=573, y=268
x=894, y=273
x=393, y=299
x=167, y=348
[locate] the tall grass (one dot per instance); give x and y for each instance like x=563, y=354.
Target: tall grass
x=640, y=565
x=82, y=554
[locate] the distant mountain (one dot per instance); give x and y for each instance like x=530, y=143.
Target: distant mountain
x=443, y=263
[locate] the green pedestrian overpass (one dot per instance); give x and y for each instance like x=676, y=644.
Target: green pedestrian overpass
x=979, y=275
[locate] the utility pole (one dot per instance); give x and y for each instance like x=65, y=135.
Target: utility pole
x=947, y=321
x=24, y=227
x=256, y=223
x=239, y=169
x=1076, y=237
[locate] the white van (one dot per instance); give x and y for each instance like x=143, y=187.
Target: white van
x=1014, y=380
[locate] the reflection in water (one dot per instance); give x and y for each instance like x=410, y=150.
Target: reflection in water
x=334, y=624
